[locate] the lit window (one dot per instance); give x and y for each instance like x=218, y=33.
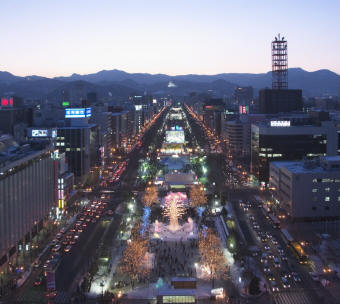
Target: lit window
x=62, y=144
x=327, y=189
x=338, y=198
x=315, y=180
x=315, y=190
x=57, y=144
x=68, y=149
x=78, y=149
x=327, y=198
x=326, y=180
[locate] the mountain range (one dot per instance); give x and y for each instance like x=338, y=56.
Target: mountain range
x=118, y=84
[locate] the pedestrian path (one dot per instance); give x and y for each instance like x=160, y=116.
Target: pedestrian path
x=293, y=297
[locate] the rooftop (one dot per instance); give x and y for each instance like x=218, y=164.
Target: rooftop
x=327, y=163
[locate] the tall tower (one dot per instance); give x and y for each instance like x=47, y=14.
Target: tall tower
x=279, y=63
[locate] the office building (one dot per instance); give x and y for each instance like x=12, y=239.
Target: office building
x=27, y=193
x=308, y=190
x=290, y=139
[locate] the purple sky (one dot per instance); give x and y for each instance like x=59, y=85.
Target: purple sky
x=54, y=38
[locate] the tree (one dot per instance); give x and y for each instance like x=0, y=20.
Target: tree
x=150, y=196
x=211, y=254
x=132, y=261
x=197, y=196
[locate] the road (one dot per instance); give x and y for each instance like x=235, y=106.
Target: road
x=81, y=255
x=230, y=184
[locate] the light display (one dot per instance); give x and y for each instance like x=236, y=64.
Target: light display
x=174, y=137
x=174, y=208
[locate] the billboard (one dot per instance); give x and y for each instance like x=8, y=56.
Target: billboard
x=280, y=123
x=39, y=133
x=78, y=112
x=244, y=109
x=174, y=137
x=65, y=103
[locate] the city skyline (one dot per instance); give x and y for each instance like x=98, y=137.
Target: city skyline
x=58, y=39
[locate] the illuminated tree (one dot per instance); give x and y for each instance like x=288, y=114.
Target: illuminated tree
x=174, y=208
x=132, y=261
x=150, y=196
x=197, y=196
x=211, y=254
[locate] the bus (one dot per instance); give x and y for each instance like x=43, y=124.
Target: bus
x=299, y=253
x=275, y=221
x=295, y=246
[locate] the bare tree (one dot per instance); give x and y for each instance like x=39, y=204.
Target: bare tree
x=150, y=196
x=212, y=255
x=197, y=196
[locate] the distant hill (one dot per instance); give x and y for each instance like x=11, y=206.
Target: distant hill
x=121, y=84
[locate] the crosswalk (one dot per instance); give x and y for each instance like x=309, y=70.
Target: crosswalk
x=293, y=297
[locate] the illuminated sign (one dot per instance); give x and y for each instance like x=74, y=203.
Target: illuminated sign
x=280, y=123
x=174, y=137
x=154, y=100
x=39, y=133
x=54, y=133
x=244, y=109
x=138, y=107
x=65, y=103
x=7, y=102
x=78, y=112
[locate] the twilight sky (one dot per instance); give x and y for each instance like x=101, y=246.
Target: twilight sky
x=60, y=37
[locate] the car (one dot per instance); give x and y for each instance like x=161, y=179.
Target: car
x=84, y=225
x=286, y=274
x=65, y=242
x=37, y=264
x=270, y=255
x=59, y=236
x=280, y=250
x=56, y=248
x=314, y=276
x=271, y=277
x=93, y=221
x=73, y=230
x=284, y=257
x=251, y=217
x=296, y=277
x=54, y=242
x=63, y=230
x=80, y=230
x=72, y=241
x=266, y=247
x=285, y=282
x=266, y=267
x=274, y=241
x=47, y=263
x=274, y=286
x=68, y=248
x=38, y=281
x=277, y=263
x=51, y=294
x=268, y=235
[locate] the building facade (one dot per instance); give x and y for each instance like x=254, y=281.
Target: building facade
x=308, y=190
x=27, y=194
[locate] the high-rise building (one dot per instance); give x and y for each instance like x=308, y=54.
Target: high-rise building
x=289, y=138
x=28, y=176
x=273, y=101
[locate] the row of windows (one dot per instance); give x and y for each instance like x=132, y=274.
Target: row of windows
x=270, y=155
x=327, y=199
x=326, y=180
